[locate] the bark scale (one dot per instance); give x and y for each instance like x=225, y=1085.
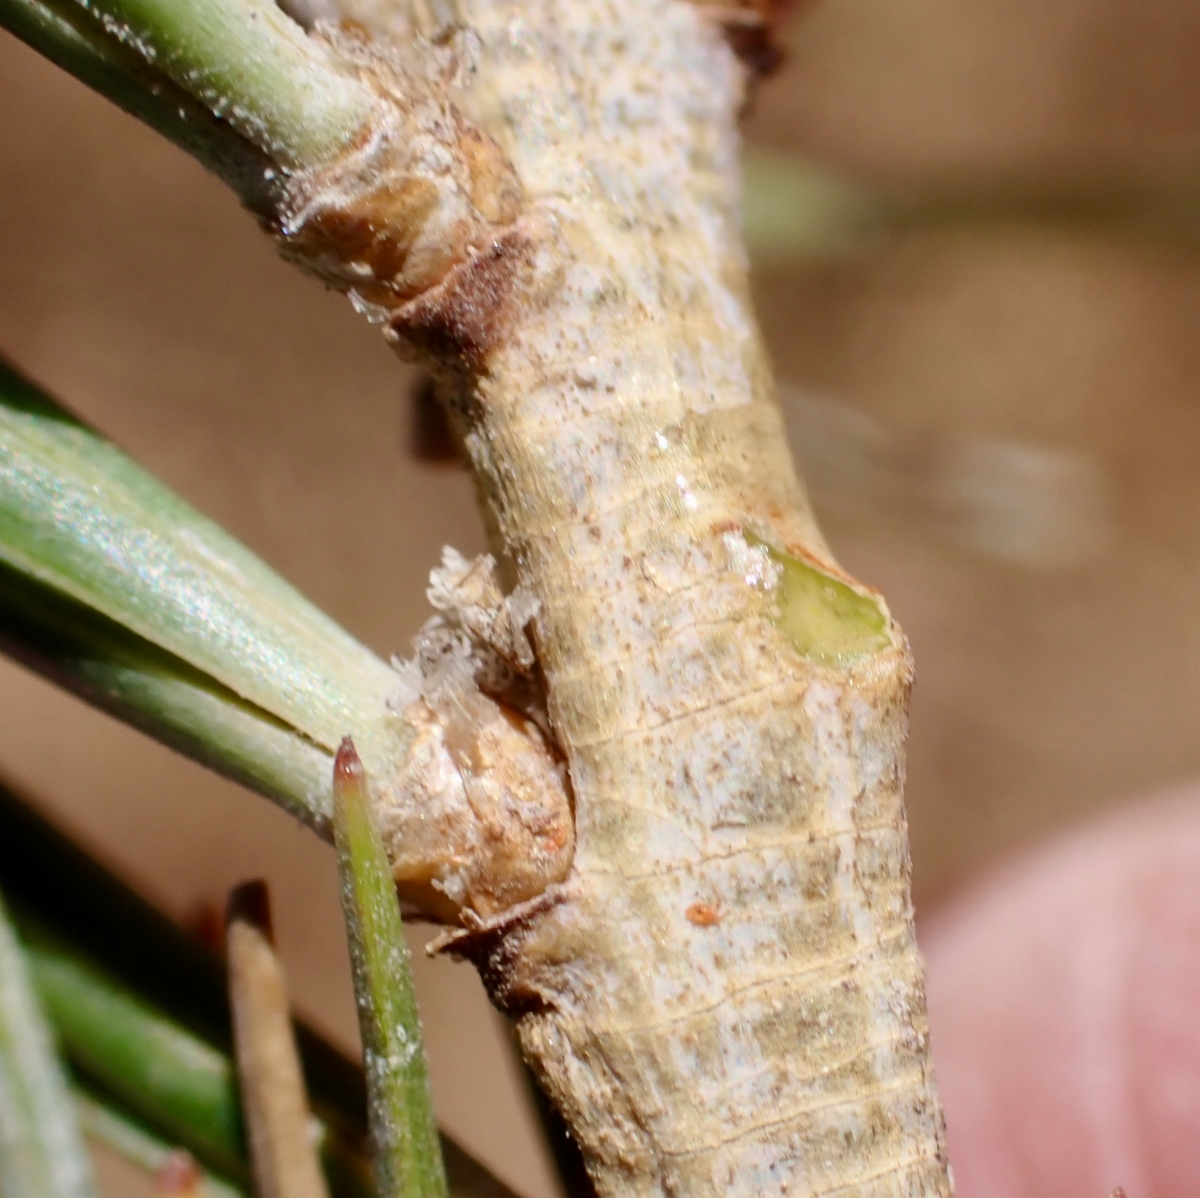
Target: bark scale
x=721, y=989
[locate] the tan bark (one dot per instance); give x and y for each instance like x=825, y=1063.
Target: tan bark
x=717, y=981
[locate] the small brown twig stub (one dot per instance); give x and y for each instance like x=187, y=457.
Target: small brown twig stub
x=278, y=1123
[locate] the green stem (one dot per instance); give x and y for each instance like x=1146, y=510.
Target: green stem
x=111, y=582
x=72, y=40
x=165, y=697
x=41, y=1151
x=129, y=1140
x=162, y=1075
x=155, y=1067
x=67, y=903
x=407, y=1161
x=796, y=210
x=236, y=83
x=251, y=65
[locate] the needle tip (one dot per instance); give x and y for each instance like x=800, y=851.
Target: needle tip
x=347, y=765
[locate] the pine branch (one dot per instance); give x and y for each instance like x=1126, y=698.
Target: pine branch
x=716, y=975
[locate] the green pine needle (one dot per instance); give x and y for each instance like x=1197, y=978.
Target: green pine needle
x=408, y=1162
x=41, y=1150
x=113, y=585
x=236, y=83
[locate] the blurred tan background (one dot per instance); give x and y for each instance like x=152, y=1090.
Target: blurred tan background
x=1003, y=423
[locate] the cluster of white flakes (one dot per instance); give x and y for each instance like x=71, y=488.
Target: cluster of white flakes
x=452, y=882
x=753, y=562
x=478, y=639
x=478, y=813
